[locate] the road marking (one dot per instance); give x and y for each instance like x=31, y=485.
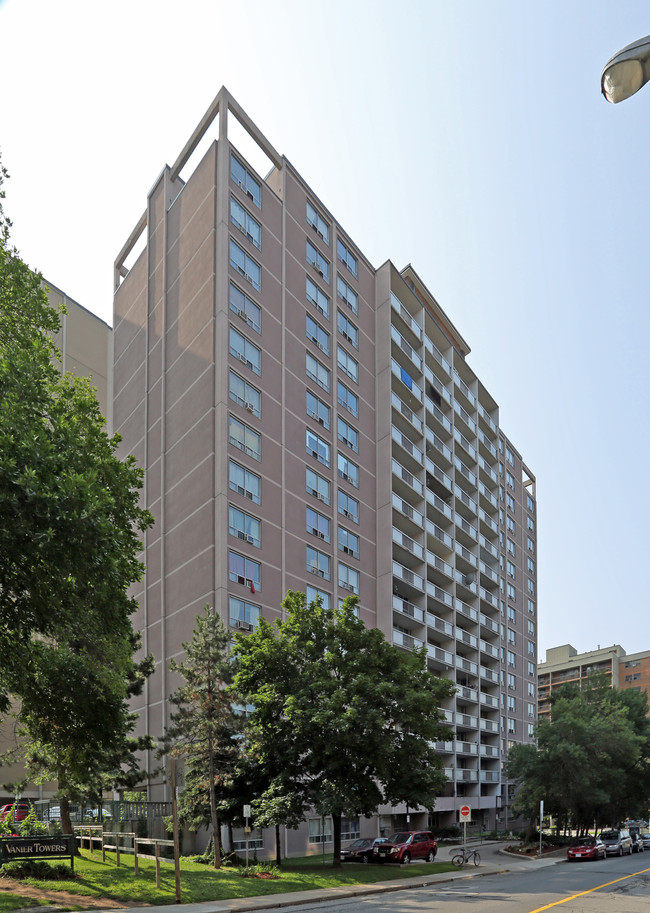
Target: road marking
x=591, y=890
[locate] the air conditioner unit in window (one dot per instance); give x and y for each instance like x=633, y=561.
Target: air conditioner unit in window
x=244, y=625
x=348, y=514
x=241, y=313
x=322, y=535
x=346, y=586
x=321, y=420
x=250, y=408
x=250, y=539
x=347, y=549
x=321, y=496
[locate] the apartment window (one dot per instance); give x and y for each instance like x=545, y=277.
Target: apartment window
x=512, y=703
x=512, y=660
x=531, y=689
x=531, y=586
x=347, y=399
x=314, y=594
x=531, y=648
x=510, y=480
x=512, y=571
x=348, y=578
x=530, y=523
x=501, y=473
x=244, y=570
x=510, y=502
x=318, y=298
x=347, y=470
x=243, y=177
x=347, y=329
x=317, y=409
x=242, y=305
x=244, y=482
x=531, y=628
x=240, y=435
x=318, y=448
x=530, y=564
x=243, y=614
x=502, y=539
x=244, y=526
x=530, y=504
x=633, y=677
x=348, y=506
x=511, y=547
x=512, y=615
x=512, y=681
x=530, y=544
x=347, y=294
x=531, y=669
x=512, y=637
x=318, y=261
x=345, y=256
x=318, y=563
x=348, y=542
x=512, y=726
x=631, y=663
x=318, y=223
x=318, y=525
x=511, y=592
x=531, y=606
x=510, y=457
x=247, y=225
x=348, y=435
x=510, y=524
x=245, y=351
x=317, y=486
x=531, y=730
x=317, y=334
x=347, y=363
x=244, y=394
x=317, y=372
x=245, y=265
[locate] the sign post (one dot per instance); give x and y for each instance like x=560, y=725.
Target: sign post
x=247, y=830
x=465, y=815
x=541, y=821
x=177, y=868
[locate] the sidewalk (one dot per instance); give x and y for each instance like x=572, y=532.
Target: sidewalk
x=494, y=864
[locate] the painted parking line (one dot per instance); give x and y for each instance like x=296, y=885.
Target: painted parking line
x=590, y=891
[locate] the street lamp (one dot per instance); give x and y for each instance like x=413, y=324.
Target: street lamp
x=626, y=72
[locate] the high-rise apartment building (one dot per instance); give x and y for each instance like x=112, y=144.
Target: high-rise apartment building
x=308, y=421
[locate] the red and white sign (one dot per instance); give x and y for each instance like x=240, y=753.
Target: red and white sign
x=465, y=813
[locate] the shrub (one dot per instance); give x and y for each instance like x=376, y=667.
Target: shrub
x=447, y=833
x=268, y=869
x=36, y=868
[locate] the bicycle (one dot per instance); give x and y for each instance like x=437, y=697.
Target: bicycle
x=464, y=855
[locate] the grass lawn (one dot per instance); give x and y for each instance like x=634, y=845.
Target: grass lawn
x=95, y=878
x=10, y=902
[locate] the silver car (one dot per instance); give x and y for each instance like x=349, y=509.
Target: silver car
x=617, y=842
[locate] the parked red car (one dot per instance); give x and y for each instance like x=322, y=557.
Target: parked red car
x=586, y=848
x=15, y=812
x=405, y=846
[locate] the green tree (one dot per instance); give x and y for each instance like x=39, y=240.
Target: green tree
x=344, y=717
x=205, y=728
x=588, y=758
x=70, y=518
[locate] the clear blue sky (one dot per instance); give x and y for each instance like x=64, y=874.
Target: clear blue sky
x=469, y=139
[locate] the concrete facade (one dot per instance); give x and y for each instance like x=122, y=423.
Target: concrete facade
x=308, y=421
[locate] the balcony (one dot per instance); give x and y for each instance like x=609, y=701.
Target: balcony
x=489, y=776
x=464, y=389
x=469, y=451
x=415, y=551
x=489, y=650
x=407, y=387
x=486, y=446
x=406, y=512
x=484, y=469
x=485, y=495
x=466, y=610
x=446, y=747
x=438, y=540
x=470, y=561
x=466, y=665
x=466, y=584
x=466, y=720
x=469, y=748
x=489, y=675
x=466, y=528
x=407, y=580
x=409, y=451
x=489, y=726
x=438, y=658
x=414, y=364
x=407, y=641
x=406, y=608
x=438, y=571
x=405, y=482
x=488, y=576
x=439, y=506
x=465, y=504
x=436, y=448
x=489, y=548
x=466, y=419
x=489, y=624
x=487, y=521
x=486, y=596
x=464, y=637
x=489, y=751
x=487, y=418
x=438, y=415
x=408, y=319
x=438, y=357
x=466, y=776
x=439, y=595
x=487, y=700
x=465, y=471
x=436, y=389
x=437, y=480
x=438, y=624
x=407, y=413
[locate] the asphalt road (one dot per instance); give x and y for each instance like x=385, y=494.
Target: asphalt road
x=610, y=886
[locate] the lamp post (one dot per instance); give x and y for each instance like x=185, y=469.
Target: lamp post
x=626, y=72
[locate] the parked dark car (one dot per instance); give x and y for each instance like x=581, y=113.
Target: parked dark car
x=361, y=850
x=637, y=839
x=617, y=842
x=587, y=848
x=404, y=846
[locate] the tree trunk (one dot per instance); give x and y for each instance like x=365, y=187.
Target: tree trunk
x=231, y=839
x=66, y=823
x=336, y=836
x=278, y=848
x=216, y=830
